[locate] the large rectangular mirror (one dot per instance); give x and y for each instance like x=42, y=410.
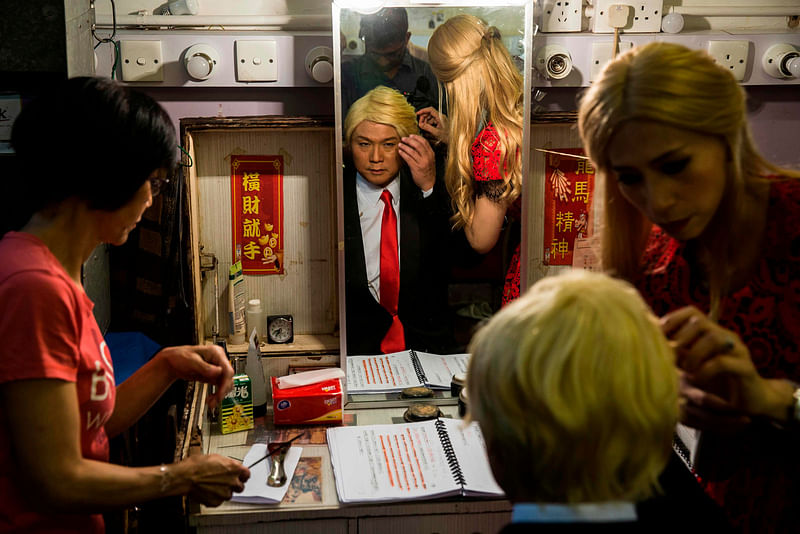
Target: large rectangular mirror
x=428, y=100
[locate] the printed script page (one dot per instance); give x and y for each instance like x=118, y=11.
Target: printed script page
x=470, y=449
x=389, y=462
x=440, y=368
x=381, y=373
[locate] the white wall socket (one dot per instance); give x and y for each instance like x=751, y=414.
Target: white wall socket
x=601, y=54
x=561, y=15
x=733, y=55
x=256, y=61
x=141, y=61
x=645, y=17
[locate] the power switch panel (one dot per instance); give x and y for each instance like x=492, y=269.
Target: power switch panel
x=732, y=55
x=141, y=61
x=256, y=61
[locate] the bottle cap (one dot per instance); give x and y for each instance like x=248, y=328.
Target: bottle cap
x=254, y=305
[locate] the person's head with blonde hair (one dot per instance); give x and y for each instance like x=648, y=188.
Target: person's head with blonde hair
x=685, y=89
x=482, y=84
x=575, y=390
x=374, y=128
x=381, y=105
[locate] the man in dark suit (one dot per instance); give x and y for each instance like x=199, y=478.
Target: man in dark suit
x=390, y=173
x=387, y=61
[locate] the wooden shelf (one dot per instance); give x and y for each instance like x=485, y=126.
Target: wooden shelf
x=303, y=344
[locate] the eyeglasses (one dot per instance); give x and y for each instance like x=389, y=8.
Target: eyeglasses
x=390, y=55
x=157, y=183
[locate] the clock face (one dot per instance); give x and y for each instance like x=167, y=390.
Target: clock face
x=280, y=330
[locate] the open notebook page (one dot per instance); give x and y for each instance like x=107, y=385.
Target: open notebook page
x=470, y=449
x=381, y=373
x=390, y=463
x=440, y=368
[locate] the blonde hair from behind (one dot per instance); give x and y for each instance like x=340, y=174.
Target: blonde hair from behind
x=383, y=106
x=575, y=390
x=686, y=89
x=477, y=74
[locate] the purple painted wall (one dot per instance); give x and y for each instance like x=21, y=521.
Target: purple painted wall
x=774, y=113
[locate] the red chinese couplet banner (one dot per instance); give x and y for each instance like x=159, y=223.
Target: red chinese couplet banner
x=257, y=213
x=569, y=190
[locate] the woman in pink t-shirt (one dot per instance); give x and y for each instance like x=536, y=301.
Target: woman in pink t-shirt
x=91, y=155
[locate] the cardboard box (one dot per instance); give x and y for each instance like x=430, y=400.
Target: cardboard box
x=311, y=404
x=236, y=409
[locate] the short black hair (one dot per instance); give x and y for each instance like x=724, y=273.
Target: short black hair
x=386, y=27
x=90, y=138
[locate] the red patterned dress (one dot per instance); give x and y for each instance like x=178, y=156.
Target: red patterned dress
x=486, y=162
x=763, y=493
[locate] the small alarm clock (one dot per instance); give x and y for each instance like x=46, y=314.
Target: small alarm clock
x=280, y=329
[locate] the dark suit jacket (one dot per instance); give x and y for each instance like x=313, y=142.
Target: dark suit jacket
x=424, y=271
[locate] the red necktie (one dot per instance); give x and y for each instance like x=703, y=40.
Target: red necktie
x=394, y=340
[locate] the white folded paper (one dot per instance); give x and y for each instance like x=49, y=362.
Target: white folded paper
x=256, y=490
x=309, y=377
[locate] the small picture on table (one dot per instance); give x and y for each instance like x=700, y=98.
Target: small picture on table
x=306, y=484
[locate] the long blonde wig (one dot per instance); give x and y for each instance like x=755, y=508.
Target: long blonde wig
x=686, y=89
x=575, y=390
x=478, y=76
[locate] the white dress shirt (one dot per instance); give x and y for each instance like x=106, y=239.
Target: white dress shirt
x=370, y=215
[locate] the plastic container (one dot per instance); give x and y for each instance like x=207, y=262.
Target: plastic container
x=256, y=318
x=236, y=305
x=258, y=383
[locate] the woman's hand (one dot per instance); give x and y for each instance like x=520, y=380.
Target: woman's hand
x=419, y=156
x=204, y=363
x=716, y=360
x=706, y=411
x=213, y=478
x=433, y=122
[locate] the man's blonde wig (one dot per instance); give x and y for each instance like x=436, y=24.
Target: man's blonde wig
x=682, y=88
x=383, y=106
x=575, y=389
x=478, y=75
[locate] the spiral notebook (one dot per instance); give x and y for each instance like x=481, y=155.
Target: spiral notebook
x=385, y=373
x=408, y=461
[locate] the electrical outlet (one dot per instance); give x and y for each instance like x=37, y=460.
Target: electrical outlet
x=601, y=54
x=645, y=17
x=256, y=61
x=141, y=61
x=561, y=15
x=732, y=55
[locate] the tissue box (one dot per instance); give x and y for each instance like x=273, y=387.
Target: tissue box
x=315, y=403
x=236, y=409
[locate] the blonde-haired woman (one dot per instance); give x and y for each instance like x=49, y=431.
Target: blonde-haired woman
x=483, y=130
x=578, y=421
x=709, y=231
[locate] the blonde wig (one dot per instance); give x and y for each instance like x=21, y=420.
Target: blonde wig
x=384, y=106
x=575, y=389
x=478, y=76
x=686, y=89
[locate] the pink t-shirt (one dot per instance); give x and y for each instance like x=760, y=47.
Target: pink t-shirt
x=47, y=330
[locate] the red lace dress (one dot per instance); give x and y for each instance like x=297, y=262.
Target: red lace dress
x=486, y=162
x=763, y=493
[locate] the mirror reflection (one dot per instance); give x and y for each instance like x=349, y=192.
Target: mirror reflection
x=432, y=120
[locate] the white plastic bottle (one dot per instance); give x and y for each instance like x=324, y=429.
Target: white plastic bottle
x=257, y=319
x=255, y=371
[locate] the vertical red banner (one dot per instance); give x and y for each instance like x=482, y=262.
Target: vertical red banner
x=257, y=213
x=569, y=190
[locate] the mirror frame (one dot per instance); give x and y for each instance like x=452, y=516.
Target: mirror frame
x=528, y=53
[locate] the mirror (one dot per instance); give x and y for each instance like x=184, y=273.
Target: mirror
x=446, y=287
